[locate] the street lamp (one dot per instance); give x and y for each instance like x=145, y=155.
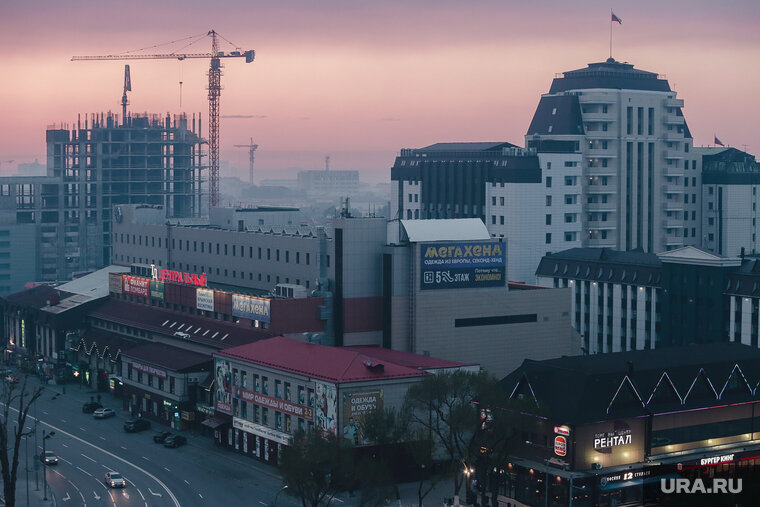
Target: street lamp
x=278, y=494
x=44, y=470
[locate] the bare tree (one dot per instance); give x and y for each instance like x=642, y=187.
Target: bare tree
x=15, y=401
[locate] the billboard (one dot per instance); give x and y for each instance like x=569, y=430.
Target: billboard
x=222, y=386
x=356, y=406
x=114, y=283
x=250, y=308
x=157, y=290
x=326, y=408
x=136, y=286
x=204, y=299
x=465, y=264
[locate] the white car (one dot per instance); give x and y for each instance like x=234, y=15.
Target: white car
x=114, y=480
x=102, y=413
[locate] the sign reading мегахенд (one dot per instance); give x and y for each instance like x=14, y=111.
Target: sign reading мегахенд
x=250, y=308
x=462, y=265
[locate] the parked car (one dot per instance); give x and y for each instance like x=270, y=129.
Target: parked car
x=175, y=441
x=114, y=480
x=103, y=413
x=49, y=458
x=135, y=425
x=161, y=436
x=11, y=379
x=90, y=407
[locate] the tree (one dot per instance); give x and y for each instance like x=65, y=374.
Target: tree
x=16, y=401
x=308, y=466
x=445, y=405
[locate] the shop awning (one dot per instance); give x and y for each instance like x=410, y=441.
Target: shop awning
x=214, y=422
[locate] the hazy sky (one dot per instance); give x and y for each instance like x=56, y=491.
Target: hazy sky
x=359, y=80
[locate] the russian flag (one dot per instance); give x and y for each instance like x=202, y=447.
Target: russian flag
x=615, y=18
x=717, y=141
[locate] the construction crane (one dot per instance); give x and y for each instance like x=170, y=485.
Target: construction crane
x=127, y=88
x=251, y=148
x=214, y=92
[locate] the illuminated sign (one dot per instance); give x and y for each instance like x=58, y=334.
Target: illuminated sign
x=204, y=299
x=150, y=370
x=262, y=431
x=624, y=476
x=726, y=458
x=612, y=439
x=167, y=275
x=562, y=430
x=157, y=290
x=136, y=286
x=250, y=308
x=462, y=265
x=560, y=445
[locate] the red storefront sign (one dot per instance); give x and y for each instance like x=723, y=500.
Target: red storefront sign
x=136, y=286
x=167, y=275
x=560, y=445
x=274, y=403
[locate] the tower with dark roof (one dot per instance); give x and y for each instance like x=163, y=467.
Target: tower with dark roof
x=636, y=158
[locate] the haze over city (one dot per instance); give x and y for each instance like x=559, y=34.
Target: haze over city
x=361, y=80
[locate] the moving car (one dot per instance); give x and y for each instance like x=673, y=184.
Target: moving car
x=161, y=436
x=114, y=480
x=102, y=413
x=90, y=407
x=175, y=441
x=49, y=458
x=135, y=425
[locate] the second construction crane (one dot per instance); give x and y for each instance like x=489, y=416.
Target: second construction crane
x=251, y=149
x=214, y=92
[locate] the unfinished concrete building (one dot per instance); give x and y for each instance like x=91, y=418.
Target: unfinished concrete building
x=100, y=163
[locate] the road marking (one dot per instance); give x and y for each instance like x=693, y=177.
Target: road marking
x=63, y=420
x=200, y=496
x=89, y=458
x=83, y=429
x=152, y=493
x=337, y=499
x=262, y=503
x=86, y=472
x=96, y=495
x=167, y=469
x=65, y=460
x=160, y=483
x=67, y=498
x=66, y=446
x=146, y=459
x=102, y=438
x=187, y=482
x=44, y=412
x=123, y=447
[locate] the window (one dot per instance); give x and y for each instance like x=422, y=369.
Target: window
x=548, y=238
x=277, y=389
x=548, y=200
x=570, y=236
x=710, y=190
x=493, y=219
x=264, y=416
x=548, y=219
x=570, y=181
x=548, y=182
x=493, y=200
x=501, y=200
x=264, y=385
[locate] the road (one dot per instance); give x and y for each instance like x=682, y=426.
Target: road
x=195, y=474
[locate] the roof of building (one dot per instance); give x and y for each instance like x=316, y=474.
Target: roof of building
x=333, y=364
x=462, y=147
x=693, y=255
x=602, y=264
x=557, y=115
x=200, y=330
x=166, y=356
x=609, y=74
x=454, y=229
x=408, y=359
x=37, y=297
x=583, y=389
x=94, y=284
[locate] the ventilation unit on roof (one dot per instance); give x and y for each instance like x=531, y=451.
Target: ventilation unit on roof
x=374, y=367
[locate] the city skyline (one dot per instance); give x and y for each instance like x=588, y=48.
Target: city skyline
x=360, y=82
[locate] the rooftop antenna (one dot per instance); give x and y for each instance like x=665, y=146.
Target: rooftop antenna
x=127, y=88
x=327, y=163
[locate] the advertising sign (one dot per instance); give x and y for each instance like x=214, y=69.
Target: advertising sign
x=114, y=283
x=157, y=290
x=178, y=276
x=204, y=299
x=462, y=265
x=326, y=408
x=250, y=308
x=136, y=286
x=560, y=445
x=262, y=431
x=356, y=406
x=150, y=370
x=562, y=430
x=274, y=403
x=222, y=386
x=606, y=441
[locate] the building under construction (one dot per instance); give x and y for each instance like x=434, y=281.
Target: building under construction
x=100, y=163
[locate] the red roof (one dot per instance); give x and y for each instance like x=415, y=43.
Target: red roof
x=201, y=330
x=408, y=359
x=333, y=364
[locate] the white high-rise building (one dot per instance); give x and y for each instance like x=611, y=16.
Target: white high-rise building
x=636, y=154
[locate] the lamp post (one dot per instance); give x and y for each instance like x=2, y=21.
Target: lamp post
x=278, y=494
x=44, y=470
x=26, y=451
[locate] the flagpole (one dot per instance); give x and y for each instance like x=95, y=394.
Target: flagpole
x=610, y=33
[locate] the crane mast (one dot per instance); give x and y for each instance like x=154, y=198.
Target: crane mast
x=214, y=92
x=251, y=149
x=127, y=88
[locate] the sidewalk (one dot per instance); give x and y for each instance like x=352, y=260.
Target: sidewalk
x=35, y=495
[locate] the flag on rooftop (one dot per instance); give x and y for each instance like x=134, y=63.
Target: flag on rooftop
x=718, y=142
x=615, y=18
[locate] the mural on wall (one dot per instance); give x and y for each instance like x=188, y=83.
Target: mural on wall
x=223, y=386
x=326, y=409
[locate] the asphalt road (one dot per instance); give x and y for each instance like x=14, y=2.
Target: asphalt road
x=195, y=474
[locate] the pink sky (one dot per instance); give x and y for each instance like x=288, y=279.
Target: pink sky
x=359, y=80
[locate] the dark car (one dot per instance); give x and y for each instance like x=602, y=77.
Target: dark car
x=90, y=407
x=161, y=436
x=135, y=425
x=175, y=441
